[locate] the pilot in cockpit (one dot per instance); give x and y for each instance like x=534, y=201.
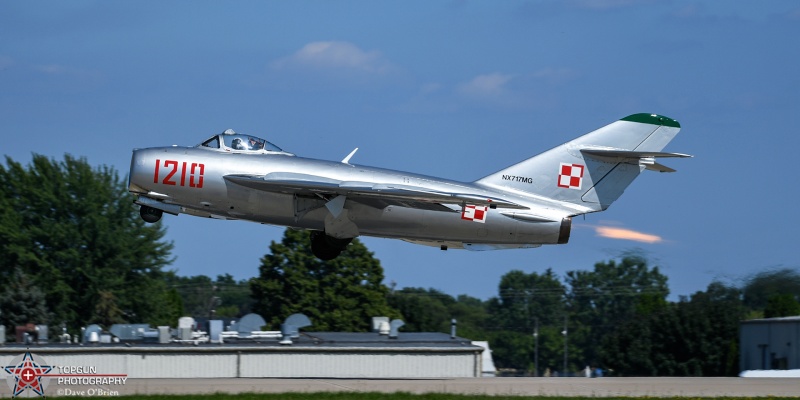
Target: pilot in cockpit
x=237, y=144
x=256, y=144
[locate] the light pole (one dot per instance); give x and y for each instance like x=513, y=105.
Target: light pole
x=536, y=351
x=564, y=332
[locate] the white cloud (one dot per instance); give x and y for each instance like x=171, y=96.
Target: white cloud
x=526, y=90
x=489, y=85
x=335, y=55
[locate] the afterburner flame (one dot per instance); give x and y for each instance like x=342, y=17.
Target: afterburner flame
x=627, y=234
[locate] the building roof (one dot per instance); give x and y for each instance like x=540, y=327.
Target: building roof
x=795, y=318
x=403, y=339
x=307, y=341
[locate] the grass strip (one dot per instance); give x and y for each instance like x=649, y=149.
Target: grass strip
x=396, y=396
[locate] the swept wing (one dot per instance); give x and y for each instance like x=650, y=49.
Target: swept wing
x=369, y=193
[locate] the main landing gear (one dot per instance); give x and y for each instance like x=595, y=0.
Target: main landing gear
x=326, y=247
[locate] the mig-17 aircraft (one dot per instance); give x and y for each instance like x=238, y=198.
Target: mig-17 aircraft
x=531, y=203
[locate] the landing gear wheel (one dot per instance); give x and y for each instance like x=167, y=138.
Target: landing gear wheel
x=150, y=214
x=326, y=247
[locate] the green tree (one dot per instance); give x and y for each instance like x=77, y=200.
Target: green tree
x=782, y=305
x=696, y=336
x=606, y=298
x=631, y=347
x=203, y=297
x=700, y=338
x=106, y=310
x=423, y=310
x=525, y=298
x=197, y=293
x=342, y=294
x=517, y=350
x=431, y=310
x=472, y=316
x=21, y=302
x=760, y=287
x=235, y=299
x=73, y=230
x=524, y=302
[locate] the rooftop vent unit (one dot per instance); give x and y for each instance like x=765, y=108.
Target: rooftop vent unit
x=185, y=328
x=290, y=329
x=394, y=327
x=133, y=332
x=384, y=327
x=91, y=334
x=215, y=331
x=376, y=323
x=248, y=324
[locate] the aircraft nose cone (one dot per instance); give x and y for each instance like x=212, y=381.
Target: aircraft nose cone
x=135, y=173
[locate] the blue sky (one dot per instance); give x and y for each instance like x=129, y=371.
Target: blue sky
x=456, y=89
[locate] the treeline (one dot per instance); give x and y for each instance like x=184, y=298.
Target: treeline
x=73, y=251
x=220, y=298
x=615, y=317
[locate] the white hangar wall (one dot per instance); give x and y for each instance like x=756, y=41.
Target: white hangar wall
x=231, y=361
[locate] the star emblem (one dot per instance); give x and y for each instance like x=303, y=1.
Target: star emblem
x=28, y=375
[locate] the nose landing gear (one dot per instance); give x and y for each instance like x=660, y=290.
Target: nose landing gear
x=150, y=214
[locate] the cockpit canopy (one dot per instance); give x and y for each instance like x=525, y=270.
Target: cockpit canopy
x=239, y=143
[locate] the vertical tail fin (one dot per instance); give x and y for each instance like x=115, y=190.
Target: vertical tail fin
x=593, y=170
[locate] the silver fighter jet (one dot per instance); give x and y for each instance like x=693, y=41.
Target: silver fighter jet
x=238, y=176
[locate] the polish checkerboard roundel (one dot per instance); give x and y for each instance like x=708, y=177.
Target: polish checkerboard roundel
x=475, y=213
x=570, y=176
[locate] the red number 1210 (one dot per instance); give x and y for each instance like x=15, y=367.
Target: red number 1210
x=195, y=175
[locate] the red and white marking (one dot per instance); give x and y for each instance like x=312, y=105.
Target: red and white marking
x=475, y=213
x=570, y=176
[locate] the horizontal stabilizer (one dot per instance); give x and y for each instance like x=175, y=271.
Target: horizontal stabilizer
x=646, y=158
x=658, y=167
x=632, y=154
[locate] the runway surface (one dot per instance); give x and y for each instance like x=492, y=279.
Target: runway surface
x=600, y=387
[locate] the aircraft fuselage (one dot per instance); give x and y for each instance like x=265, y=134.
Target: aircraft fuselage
x=193, y=179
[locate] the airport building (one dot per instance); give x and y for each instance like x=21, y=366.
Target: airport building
x=138, y=351
x=770, y=344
